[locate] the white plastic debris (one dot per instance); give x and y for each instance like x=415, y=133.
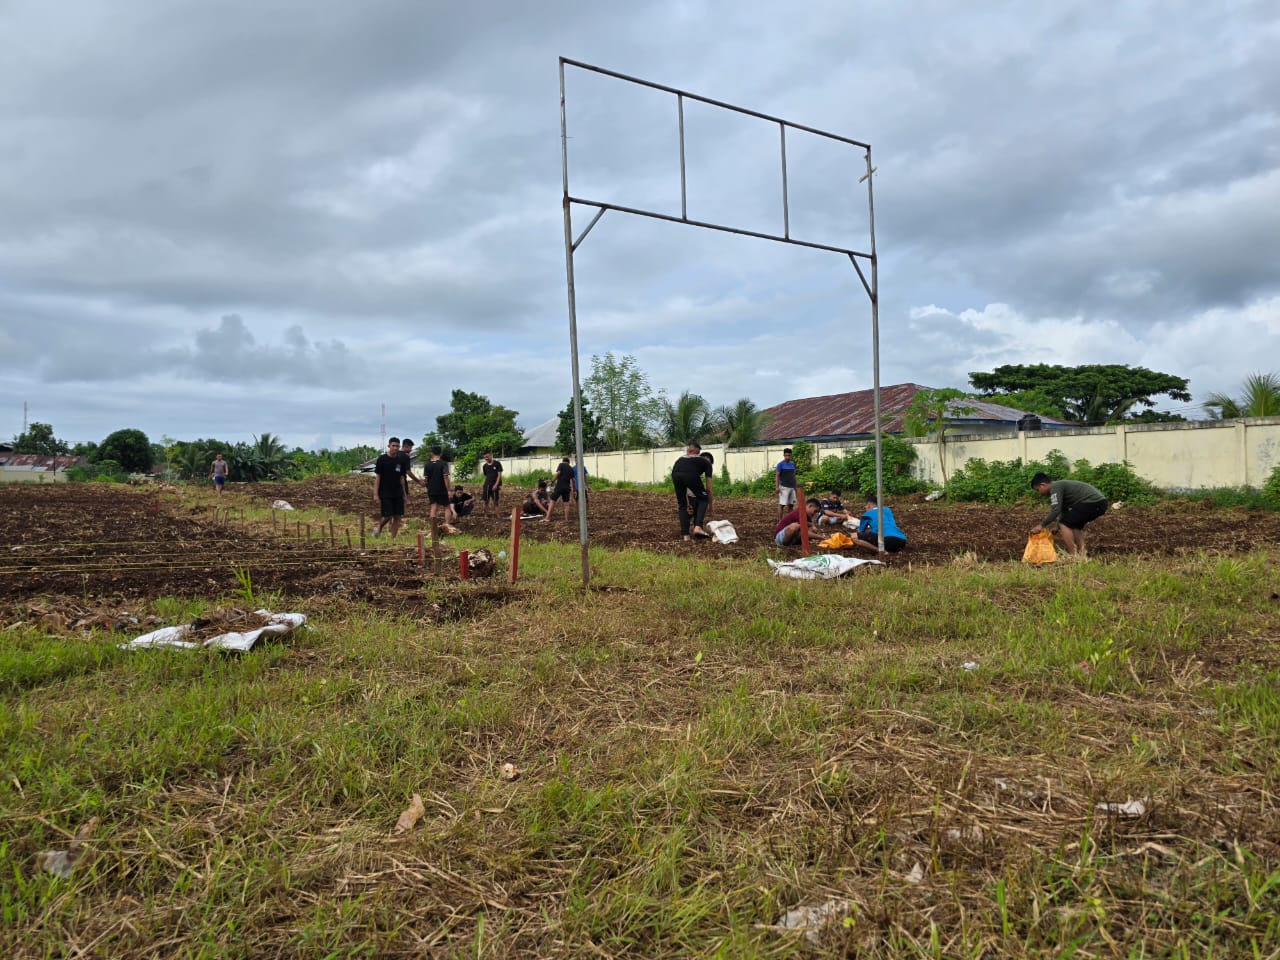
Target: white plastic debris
x=809, y=919
x=828, y=566
x=278, y=624
x=969, y=665
x=1130, y=808
x=723, y=531
x=62, y=862
x=916, y=874
x=935, y=495
x=510, y=772
x=281, y=505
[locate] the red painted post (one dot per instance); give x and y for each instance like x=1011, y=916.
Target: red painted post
x=464, y=568
x=804, y=521
x=515, y=543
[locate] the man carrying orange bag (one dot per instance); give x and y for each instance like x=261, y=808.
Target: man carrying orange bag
x=1072, y=505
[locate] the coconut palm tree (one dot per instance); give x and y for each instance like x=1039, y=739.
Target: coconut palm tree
x=686, y=420
x=740, y=425
x=1261, y=398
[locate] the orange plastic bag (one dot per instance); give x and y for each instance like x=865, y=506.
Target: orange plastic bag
x=836, y=541
x=1040, y=549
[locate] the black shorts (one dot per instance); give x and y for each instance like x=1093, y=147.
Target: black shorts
x=490, y=493
x=891, y=544
x=1083, y=513
x=561, y=493
x=439, y=499
x=393, y=506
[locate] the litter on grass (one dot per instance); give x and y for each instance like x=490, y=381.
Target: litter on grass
x=62, y=862
x=723, y=531
x=826, y=567
x=410, y=816
x=810, y=918
x=281, y=505
x=180, y=637
x=1130, y=808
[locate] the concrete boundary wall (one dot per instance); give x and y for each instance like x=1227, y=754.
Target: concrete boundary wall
x=1193, y=455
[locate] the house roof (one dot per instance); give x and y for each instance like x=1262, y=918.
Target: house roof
x=843, y=415
x=544, y=434
x=37, y=462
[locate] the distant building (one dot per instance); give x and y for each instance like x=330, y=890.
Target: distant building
x=36, y=467
x=541, y=440
x=849, y=416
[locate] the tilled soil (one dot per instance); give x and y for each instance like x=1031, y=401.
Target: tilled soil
x=107, y=543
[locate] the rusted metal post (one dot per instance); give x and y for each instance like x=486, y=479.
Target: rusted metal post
x=464, y=568
x=515, y=543
x=804, y=521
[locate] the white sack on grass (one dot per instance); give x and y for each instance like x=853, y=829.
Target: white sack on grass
x=281, y=623
x=828, y=566
x=282, y=505
x=723, y=531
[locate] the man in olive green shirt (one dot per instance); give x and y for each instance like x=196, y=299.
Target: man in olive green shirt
x=1072, y=505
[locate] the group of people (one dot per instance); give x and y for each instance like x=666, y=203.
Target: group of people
x=393, y=472
x=561, y=488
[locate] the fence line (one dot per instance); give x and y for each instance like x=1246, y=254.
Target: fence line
x=1191, y=455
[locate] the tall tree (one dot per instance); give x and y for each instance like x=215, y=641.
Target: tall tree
x=620, y=394
x=685, y=421
x=470, y=417
x=740, y=425
x=590, y=429
x=38, y=438
x=1260, y=398
x=927, y=416
x=129, y=448
x=1093, y=394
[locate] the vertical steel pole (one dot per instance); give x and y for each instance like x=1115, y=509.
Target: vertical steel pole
x=684, y=201
x=573, y=325
x=786, y=213
x=875, y=354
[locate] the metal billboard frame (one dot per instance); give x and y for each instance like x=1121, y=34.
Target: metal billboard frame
x=871, y=286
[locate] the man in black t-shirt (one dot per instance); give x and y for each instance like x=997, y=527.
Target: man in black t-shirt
x=687, y=474
x=492, y=481
x=406, y=462
x=562, y=486
x=388, y=488
x=436, y=476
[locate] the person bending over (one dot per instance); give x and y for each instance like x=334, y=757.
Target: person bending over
x=870, y=525
x=1073, y=504
x=788, y=529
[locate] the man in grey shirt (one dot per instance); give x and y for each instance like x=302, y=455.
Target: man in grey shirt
x=1072, y=505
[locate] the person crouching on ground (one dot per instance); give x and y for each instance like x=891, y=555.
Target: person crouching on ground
x=831, y=511
x=537, y=504
x=1072, y=505
x=788, y=528
x=870, y=526
x=460, y=504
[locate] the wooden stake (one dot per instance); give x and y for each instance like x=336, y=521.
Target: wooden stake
x=515, y=543
x=362, y=531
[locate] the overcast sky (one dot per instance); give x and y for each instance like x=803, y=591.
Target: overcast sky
x=231, y=217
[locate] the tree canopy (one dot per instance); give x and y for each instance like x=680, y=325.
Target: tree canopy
x=590, y=429
x=472, y=417
x=620, y=395
x=38, y=438
x=1092, y=394
x=129, y=448
x=688, y=419
x=741, y=424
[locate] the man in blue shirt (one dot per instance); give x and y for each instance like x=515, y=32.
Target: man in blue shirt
x=784, y=483
x=870, y=525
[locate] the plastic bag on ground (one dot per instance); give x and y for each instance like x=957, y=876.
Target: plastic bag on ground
x=1040, y=549
x=278, y=623
x=826, y=567
x=723, y=531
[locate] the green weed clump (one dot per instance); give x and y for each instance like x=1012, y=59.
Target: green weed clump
x=856, y=470
x=1009, y=481
x=1271, y=489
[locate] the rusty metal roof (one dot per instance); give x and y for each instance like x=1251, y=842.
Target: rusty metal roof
x=844, y=415
x=38, y=461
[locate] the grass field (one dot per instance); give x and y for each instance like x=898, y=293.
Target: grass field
x=933, y=758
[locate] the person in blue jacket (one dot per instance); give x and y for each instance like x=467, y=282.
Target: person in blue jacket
x=869, y=529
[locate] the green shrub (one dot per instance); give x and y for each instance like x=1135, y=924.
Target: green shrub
x=855, y=472
x=1008, y=481
x=1241, y=497
x=1271, y=489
